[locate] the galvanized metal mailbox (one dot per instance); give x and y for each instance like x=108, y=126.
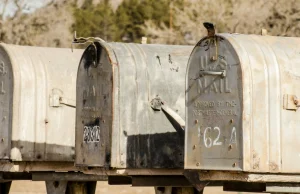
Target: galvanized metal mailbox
x=242, y=105
x=37, y=99
x=130, y=105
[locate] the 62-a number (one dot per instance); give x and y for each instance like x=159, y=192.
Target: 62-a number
x=208, y=142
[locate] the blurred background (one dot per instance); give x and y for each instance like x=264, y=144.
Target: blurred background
x=52, y=22
x=38, y=187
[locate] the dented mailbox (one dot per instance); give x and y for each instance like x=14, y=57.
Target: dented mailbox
x=242, y=98
x=130, y=105
x=37, y=99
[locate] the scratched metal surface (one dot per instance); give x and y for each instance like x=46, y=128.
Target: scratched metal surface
x=32, y=128
x=115, y=97
x=212, y=102
x=266, y=121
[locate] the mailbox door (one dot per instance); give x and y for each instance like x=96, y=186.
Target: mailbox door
x=6, y=91
x=214, y=107
x=94, y=108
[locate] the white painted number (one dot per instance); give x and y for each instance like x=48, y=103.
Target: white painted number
x=91, y=134
x=233, y=135
x=208, y=142
x=217, y=139
x=199, y=132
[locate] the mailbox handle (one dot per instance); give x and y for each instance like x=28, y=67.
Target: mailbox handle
x=174, y=115
x=56, y=99
x=158, y=104
x=221, y=73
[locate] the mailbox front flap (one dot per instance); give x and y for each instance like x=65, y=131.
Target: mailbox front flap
x=94, y=108
x=214, y=107
x=6, y=97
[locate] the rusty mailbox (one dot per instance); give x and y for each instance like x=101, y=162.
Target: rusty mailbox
x=130, y=105
x=242, y=98
x=37, y=99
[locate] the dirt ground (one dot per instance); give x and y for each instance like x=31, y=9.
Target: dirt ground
x=29, y=187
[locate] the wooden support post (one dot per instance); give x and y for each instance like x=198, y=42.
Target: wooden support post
x=176, y=190
x=5, y=187
x=71, y=187
x=57, y=187
x=81, y=187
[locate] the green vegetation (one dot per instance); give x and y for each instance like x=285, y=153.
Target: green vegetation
x=132, y=14
x=161, y=21
x=126, y=23
x=95, y=20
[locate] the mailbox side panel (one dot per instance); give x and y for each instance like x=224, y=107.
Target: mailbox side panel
x=284, y=122
x=43, y=118
x=6, y=98
x=150, y=138
x=270, y=116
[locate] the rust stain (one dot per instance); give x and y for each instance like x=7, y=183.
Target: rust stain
x=256, y=161
x=273, y=166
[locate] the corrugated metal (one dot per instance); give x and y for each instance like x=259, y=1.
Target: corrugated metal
x=115, y=97
x=266, y=78
x=42, y=127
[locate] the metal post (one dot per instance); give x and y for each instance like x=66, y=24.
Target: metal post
x=71, y=187
x=57, y=187
x=5, y=187
x=176, y=190
x=81, y=187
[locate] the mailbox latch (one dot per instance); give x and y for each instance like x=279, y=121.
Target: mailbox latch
x=290, y=102
x=56, y=99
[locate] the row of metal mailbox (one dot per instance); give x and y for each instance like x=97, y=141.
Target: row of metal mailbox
x=229, y=104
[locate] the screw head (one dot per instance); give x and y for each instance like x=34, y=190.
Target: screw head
x=230, y=146
x=198, y=164
x=231, y=120
x=234, y=164
x=194, y=147
x=196, y=121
